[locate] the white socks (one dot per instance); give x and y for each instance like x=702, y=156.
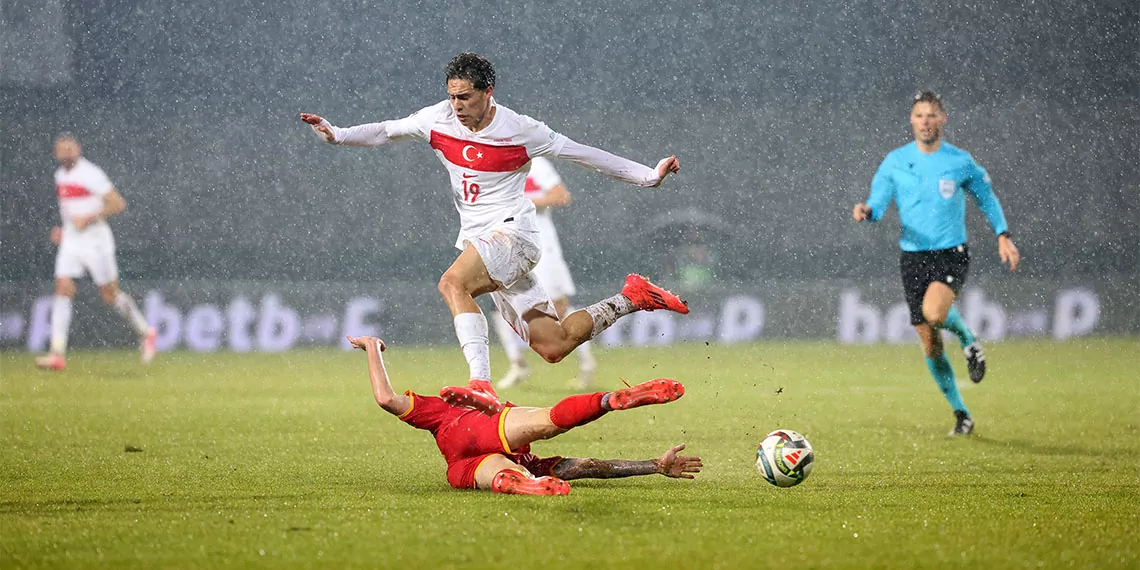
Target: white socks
x=471, y=330
x=60, y=323
x=126, y=307
x=512, y=342
x=605, y=313
x=61, y=319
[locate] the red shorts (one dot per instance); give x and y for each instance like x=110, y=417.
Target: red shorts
x=461, y=473
x=466, y=438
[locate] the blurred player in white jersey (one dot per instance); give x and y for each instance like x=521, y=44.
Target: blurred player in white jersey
x=486, y=149
x=544, y=188
x=86, y=199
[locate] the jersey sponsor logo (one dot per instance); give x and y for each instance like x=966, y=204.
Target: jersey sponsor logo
x=71, y=191
x=479, y=156
x=946, y=188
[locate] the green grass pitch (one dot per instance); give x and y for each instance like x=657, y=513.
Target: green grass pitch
x=284, y=460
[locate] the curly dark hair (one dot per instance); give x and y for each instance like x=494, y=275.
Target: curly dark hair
x=472, y=67
x=927, y=97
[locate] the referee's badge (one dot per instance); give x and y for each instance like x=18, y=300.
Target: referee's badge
x=947, y=187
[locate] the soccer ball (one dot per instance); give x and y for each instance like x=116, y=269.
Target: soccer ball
x=784, y=458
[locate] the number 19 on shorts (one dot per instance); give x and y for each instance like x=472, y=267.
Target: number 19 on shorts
x=470, y=191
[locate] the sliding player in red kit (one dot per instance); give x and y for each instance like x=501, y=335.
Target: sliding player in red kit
x=493, y=451
x=486, y=149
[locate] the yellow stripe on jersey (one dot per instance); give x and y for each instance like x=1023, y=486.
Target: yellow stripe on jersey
x=411, y=407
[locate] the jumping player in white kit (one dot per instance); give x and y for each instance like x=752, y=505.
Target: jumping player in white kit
x=544, y=188
x=86, y=199
x=486, y=149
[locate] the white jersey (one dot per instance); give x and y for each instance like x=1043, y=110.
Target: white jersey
x=552, y=272
x=542, y=178
x=80, y=191
x=488, y=169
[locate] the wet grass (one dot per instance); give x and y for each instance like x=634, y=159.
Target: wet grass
x=284, y=460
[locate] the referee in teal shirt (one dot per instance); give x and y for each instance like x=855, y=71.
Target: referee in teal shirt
x=929, y=180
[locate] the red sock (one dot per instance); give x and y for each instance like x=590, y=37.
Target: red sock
x=577, y=410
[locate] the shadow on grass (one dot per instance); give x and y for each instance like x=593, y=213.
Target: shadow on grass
x=1054, y=450
x=33, y=506
x=53, y=506
x=133, y=373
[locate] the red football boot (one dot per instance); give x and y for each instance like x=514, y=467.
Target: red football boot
x=513, y=482
x=649, y=297
x=657, y=391
x=51, y=361
x=482, y=386
x=472, y=396
x=148, y=347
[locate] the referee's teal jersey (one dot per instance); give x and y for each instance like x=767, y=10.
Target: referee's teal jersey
x=930, y=190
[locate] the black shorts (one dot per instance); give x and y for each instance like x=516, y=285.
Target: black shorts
x=921, y=268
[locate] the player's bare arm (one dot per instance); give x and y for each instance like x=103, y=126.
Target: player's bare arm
x=670, y=465
x=861, y=212
x=556, y=197
x=113, y=203
x=1008, y=252
x=56, y=234
x=386, y=397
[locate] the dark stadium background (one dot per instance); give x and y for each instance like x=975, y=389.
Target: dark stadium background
x=779, y=112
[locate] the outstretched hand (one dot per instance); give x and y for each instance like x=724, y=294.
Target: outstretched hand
x=1008, y=252
x=316, y=122
x=861, y=212
x=666, y=167
x=363, y=342
x=678, y=466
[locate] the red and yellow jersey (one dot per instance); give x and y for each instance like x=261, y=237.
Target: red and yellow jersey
x=463, y=433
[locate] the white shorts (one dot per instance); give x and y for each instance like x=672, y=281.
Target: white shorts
x=509, y=255
x=92, y=251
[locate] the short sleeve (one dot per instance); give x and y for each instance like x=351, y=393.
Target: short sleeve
x=427, y=412
x=96, y=181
